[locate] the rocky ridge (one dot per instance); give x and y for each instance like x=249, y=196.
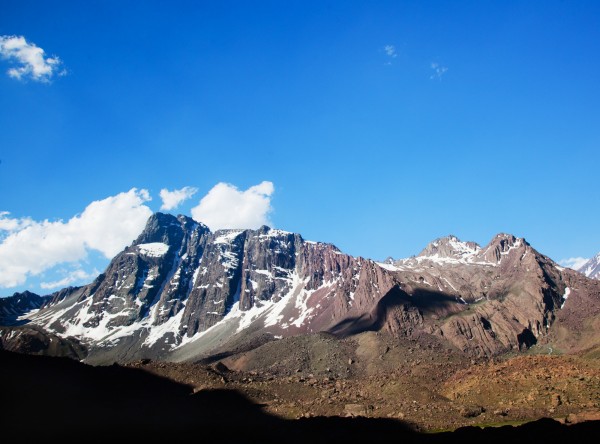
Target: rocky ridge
x=181, y=292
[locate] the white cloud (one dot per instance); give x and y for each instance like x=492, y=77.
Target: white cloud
x=390, y=50
x=172, y=199
x=8, y=225
x=30, y=247
x=227, y=207
x=31, y=61
x=574, y=263
x=438, y=71
x=111, y=224
x=79, y=276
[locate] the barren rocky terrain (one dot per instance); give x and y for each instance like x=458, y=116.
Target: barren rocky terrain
x=418, y=380
x=51, y=398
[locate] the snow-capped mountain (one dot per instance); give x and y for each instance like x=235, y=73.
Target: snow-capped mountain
x=181, y=292
x=591, y=268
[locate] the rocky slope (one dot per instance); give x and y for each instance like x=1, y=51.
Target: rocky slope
x=35, y=340
x=181, y=292
x=418, y=380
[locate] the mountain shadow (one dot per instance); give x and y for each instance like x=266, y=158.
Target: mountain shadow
x=421, y=302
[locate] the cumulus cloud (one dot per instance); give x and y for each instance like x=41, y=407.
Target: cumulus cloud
x=9, y=225
x=438, y=71
x=28, y=247
x=172, y=199
x=227, y=207
x=574, y=263
x=79, y=276
x=30, y=60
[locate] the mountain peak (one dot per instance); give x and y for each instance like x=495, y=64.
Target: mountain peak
x=166, y=228
x=190, y=223
x=25, y=294
x=507, y=240
x=501, y=245
x=591, y=268
x=263, y=229
x=449, y=247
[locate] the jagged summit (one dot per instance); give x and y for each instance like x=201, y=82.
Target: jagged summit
x=450, y=247
x=168, y=229
x=507, y=238
x=501, y=245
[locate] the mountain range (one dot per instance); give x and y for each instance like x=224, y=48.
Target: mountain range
x=180, y=292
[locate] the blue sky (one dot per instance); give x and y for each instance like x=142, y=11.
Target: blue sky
x=380, y=125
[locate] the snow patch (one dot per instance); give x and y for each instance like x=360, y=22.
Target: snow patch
x=153, y=249
x=388, y=267
x=275, y=233
x=265, y=273
x=450, y=284
x=229, y=261
x=156, y=332
x=25, y=316
x=228, y=237
x=414, y=262
x=565, y=297
x=275, y=315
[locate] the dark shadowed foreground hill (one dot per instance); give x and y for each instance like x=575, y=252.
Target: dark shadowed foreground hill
x=56, y=398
